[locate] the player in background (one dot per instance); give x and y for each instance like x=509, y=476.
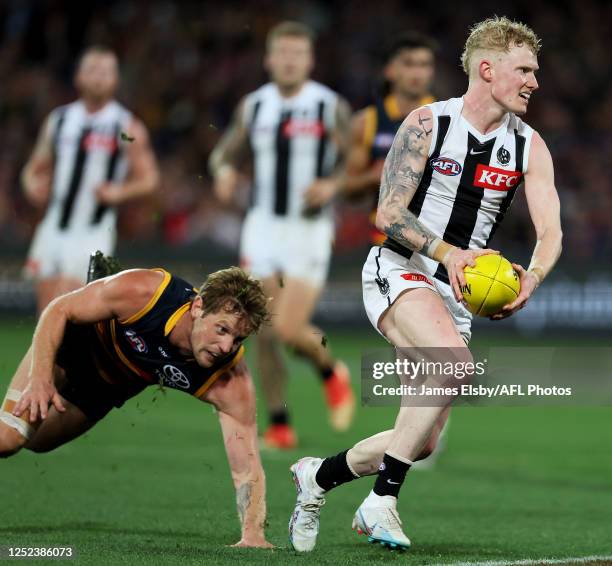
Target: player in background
x=447, y=183
x=298, y=132
x=408, y=72
x=90, y=156
x=98, y=346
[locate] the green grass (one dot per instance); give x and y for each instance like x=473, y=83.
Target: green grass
x=150, y=484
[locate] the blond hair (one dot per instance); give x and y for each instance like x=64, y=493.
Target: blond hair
x=97, y=50
x=498, y=34
x=233, y=291
x=290, y=29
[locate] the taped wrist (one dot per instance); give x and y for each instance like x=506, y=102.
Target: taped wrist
x=538, y=272
x=439, y=250
x=20, y=424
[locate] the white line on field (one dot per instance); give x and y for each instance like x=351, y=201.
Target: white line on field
x=533, y=561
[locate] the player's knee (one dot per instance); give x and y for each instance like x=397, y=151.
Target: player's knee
x=11, y=441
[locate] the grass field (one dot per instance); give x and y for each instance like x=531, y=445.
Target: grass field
x=150, y=485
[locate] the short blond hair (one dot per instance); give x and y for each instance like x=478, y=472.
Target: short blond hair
x=290, y=29
x=97, y=50
x=498, y=34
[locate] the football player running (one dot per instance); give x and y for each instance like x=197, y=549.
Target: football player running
x=447, y=182
x=91, y=156
x=297, y=131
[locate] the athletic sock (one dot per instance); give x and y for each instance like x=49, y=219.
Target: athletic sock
x=326, y=373
x=334, y=471
x=391, y=474
x=280, y=417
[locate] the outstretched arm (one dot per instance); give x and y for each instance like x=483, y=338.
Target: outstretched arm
x=119, y=296
x=234, y=397
x=402, y=173
x=544, y=209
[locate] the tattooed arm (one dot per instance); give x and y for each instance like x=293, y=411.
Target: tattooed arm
x=234, y=397
x=401, y=176
x=402, y=173
x=225, y=158
x=323, y=190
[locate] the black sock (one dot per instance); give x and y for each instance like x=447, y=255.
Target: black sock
x=334, y=471
x=279, y=417
x=391, y=474
x=326, y=373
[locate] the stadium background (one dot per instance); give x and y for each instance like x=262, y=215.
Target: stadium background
x=152, y=480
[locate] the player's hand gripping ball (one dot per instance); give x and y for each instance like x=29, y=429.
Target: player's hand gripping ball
x=490, y=284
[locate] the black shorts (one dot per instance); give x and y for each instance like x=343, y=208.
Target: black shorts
x=83, y=386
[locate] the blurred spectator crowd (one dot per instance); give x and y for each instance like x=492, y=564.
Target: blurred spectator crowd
x=185, y=65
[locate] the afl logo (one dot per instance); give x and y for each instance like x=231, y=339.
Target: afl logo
x=445, y=166
x=136, y=342
x=174, y=377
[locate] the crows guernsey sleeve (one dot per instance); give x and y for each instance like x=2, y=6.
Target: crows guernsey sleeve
x=128, y=355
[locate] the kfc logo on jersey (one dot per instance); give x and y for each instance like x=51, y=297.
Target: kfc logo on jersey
x=104, y=142
x=313, y=128
x=496, y=179
x=136, y=342
x=445, y=166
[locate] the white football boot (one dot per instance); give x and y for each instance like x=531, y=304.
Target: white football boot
x=304, y=523
x=377, y=518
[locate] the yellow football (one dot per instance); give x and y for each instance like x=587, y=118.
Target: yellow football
x=490, y=284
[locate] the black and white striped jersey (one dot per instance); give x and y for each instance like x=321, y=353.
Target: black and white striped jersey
x=291, y=142
x=469, y=180
x=87, y=151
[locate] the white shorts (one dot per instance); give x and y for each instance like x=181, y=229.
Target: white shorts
x=386, y=275
x=55, y=253
x=294, y=247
